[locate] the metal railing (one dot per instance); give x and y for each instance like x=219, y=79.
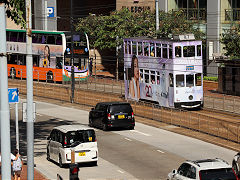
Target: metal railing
x=193, y=13
x=232, y=14
x=87, y=94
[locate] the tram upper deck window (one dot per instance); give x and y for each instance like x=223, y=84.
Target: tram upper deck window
x=189, y=80
x=180, y=80
x=152, y=50
x=129, y=47
x=199, y=50
x=140, y=48
x=158, y=49
x=170, y=51
x=198, y=79
x=189, y=51
x=59, y=40
x=146, y=49
x=134, y=47
x=165, y=50
x=146, y=76
x=178, y=51
x=22, y=37
x=13, y=36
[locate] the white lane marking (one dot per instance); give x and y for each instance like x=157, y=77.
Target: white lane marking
x=120, y=171
x=145, y=134
x=160, y=151
x=128, y=139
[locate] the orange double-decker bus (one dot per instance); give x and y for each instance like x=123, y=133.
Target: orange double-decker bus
x=50, y=62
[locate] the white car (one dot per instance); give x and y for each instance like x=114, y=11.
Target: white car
x=66, y=139
x=206, y=169
x=236, y=164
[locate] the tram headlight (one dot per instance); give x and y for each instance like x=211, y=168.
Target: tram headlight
x=190, y=97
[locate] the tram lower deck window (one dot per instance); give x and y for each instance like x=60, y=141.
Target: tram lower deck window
x=189, y=80
x=180, y=80
x=198, y=79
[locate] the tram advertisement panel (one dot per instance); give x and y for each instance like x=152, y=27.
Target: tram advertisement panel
x=142, y=80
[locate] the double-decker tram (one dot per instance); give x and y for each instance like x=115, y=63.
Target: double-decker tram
x=50, y=51
x=167, y=71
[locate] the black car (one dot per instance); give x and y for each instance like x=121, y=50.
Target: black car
x=107, y=115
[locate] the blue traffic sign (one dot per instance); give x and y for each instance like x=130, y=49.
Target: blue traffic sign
x=13, y=95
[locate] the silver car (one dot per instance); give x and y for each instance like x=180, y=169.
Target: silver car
x=236, y=164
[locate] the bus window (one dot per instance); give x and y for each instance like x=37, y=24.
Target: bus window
x=13, y=36
x=199, y=50
x=140, y=49
x=152, y=50
x=134, y=47
x=165, y=55
x=198, y=79
x=189, y=80
x=170, y=79
x=178, y=51
x=146, y=49
x=129, y=47
x=141, y=75
x=158, y=78
x=180, y=80
x=59, y=40
x=59, y=63
x=43, y=39
x=146, y=76
x=170, y=51
x=158, y=49
x=188, y=51
x=51, y=39
x=35, y=61
x=125, y=47
x=153, y=80
x=22, y=37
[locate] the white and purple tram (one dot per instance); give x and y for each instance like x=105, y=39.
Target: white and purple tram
x=168, y=71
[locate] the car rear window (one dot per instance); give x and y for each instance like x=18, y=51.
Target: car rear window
x=74, y=138
x=121, y=108
x=216, y=174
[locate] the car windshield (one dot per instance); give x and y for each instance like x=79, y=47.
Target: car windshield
x=126, y=108
x=218, y=174
x=74, y=138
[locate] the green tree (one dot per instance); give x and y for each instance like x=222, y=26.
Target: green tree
x=15, y=10
x=231, y=40
x=106, y=32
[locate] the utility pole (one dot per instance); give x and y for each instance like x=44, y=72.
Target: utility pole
x=4, y=104
x=72, y=56
x=30, y=124
x=157, y=15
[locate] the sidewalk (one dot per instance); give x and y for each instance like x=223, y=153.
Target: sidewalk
x=37, y=175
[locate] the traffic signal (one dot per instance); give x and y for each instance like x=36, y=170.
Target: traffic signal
x=73, y=172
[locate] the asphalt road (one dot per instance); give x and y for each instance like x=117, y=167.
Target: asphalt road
x=144, y=153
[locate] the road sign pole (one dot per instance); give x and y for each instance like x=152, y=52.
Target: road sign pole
x=17, y=129
x=4, y=106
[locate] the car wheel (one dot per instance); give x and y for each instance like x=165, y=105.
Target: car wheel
x=105, y=128
x=235, y=168
x=94, y=163
x=131, y=128
x=60, y=161
x=90, y=124
x=48, y=155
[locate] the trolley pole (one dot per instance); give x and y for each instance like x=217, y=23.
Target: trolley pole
x=4, y=105
x=157, y=15
x=72, y=57
x=30, y=124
